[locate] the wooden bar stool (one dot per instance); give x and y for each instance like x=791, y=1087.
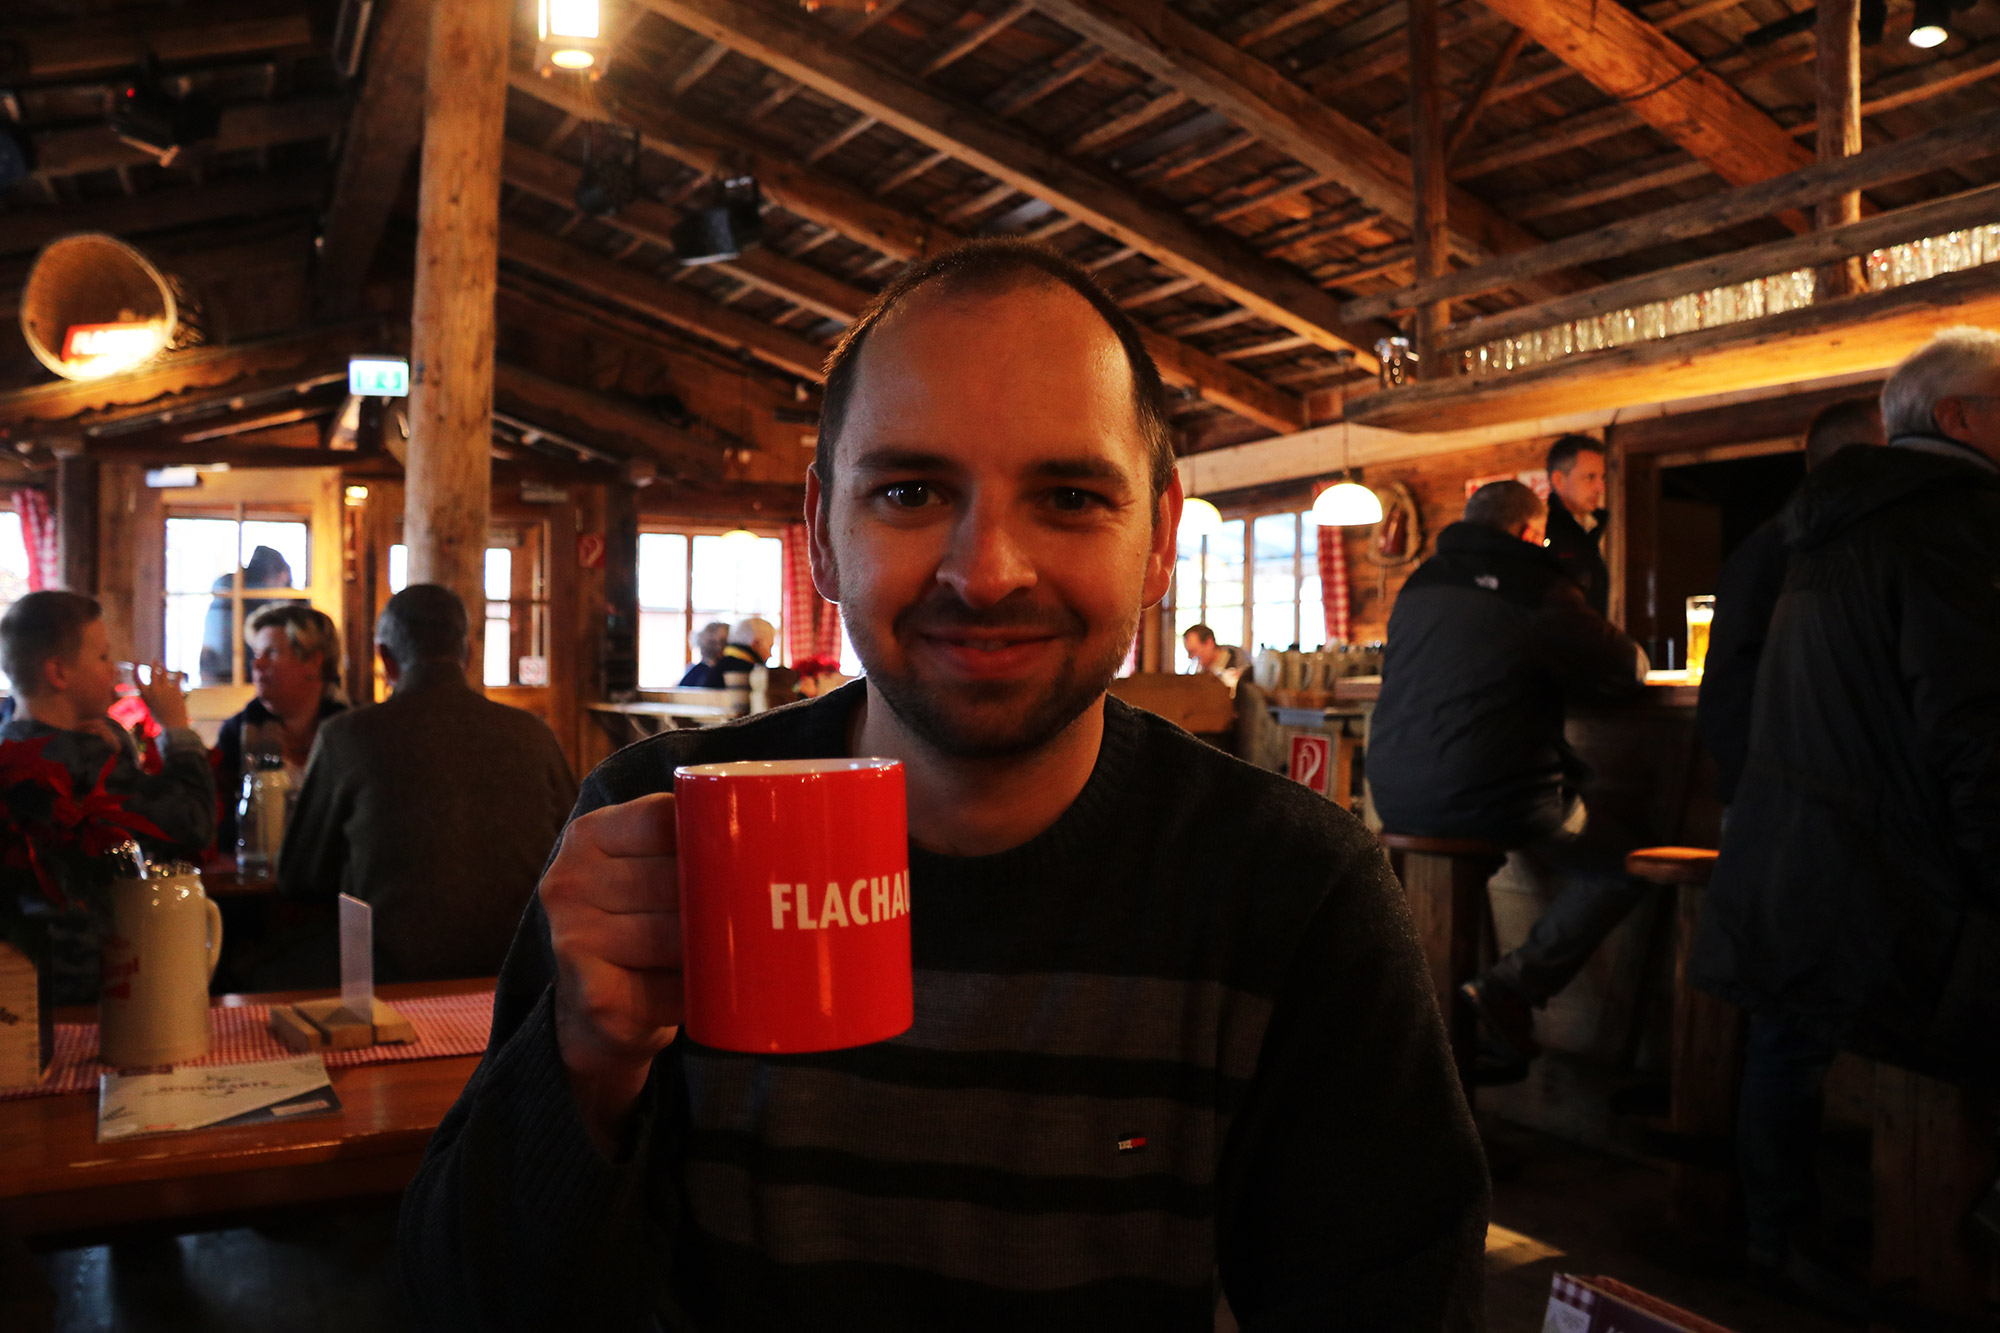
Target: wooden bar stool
x=1445, y=882
x=1707, y=1049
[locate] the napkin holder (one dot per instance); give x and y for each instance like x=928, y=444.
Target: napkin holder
x=327, y=1025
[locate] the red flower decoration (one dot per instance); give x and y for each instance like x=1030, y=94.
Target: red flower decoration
x=45, y=824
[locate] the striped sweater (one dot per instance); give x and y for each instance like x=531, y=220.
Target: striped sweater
x=1179, y=1047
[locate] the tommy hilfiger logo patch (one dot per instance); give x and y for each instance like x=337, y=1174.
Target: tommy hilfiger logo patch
x=1137, y=1143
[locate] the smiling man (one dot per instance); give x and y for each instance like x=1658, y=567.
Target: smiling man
x=1174, y=1042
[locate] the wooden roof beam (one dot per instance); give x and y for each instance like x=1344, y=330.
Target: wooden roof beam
x=1262, y=100
x=865, y=220
x=92, y=46
x=596, y=419
x=381, y=141
x=185, y=372
x=799, y=49
x=611, y=281
x=1859, y=333
x=1630, y=60
x=28, y=229
x=254, y=125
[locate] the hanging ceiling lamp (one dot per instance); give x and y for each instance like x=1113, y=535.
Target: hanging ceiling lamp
x=1199, y=518
x=1930, y=23
x=738, y=536
x=572, y=36
x=1346, y=503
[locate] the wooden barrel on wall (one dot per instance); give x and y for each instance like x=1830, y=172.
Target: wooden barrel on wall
x=95, y=286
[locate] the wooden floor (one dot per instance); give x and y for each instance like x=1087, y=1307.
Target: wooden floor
x=1559, y=1208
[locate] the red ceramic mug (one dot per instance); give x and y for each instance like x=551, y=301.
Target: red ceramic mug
x=795, y=903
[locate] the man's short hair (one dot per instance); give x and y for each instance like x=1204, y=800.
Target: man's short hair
x=752, y=630
x=993, y=267
x=1838, y=425
x=1504, y=506
x=711, y=639
x=425, y=622
x=1563, y=453
x=1199, y=633
x=1953, y=362
x=39, y=627
x=308, y=631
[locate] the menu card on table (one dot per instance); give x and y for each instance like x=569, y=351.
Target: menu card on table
x=132, y=1105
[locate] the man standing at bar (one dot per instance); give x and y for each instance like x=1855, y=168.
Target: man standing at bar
x=1577, y=516
x=1174, y=1041
x=1217, y=659
x=1857, y=900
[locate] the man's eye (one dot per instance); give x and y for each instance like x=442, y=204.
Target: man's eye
x=1072, y=500
x=909, y=494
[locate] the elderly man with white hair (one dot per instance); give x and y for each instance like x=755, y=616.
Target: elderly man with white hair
x=1857, y=901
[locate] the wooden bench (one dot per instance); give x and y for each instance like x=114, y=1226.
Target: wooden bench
x=1707, y=1058
x=1445, y=882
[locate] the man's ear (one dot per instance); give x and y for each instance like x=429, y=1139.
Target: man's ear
x=1166, y=532
x=819, y=538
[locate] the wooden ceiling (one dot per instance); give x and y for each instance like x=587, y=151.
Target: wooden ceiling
x=1235, y=172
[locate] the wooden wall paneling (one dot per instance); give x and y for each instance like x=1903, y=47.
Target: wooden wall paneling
x=360, y=569
x=1640, y=491
x=149, y=574
x=76, y=521
x=588, y=623
x=620, y=663
x=117, y=553
x=569, y=665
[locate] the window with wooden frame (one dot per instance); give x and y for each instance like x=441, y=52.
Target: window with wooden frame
x=224, y=563
x=1255, y=582
x=511, y=639
x=691, y=576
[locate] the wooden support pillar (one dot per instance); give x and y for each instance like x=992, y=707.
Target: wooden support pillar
x=76, y=521
x=620, y=662
x=1427, y=135
x=449, y=476
x=1838, y=70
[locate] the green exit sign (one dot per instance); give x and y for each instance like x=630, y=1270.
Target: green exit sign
x=378, y=377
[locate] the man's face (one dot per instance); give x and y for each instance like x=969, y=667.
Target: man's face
x=1202, y=652
x=286, y=682
x=91, y=681
x=991, y=532
x=1582, y=487
x=1974, y=418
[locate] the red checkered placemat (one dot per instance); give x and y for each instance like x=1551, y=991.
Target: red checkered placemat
x=445, y=1024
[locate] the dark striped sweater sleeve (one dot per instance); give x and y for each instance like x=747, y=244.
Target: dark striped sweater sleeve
x=1353, y=1189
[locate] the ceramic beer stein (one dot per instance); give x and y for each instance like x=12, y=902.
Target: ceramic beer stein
x=163, y=941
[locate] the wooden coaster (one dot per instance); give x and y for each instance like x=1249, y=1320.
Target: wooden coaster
x=322, y=1025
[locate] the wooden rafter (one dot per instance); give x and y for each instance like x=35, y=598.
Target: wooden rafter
x=178, y=37
x=862, y=218
x=798, y=49
x=376, y=151
x=27, y=229
x=257, y=125
x=1475, y=106
x=1641, y=67
x=611, y=281
x=1261, y=100
x=596, y=418
x=958, y=48
x=186, y=372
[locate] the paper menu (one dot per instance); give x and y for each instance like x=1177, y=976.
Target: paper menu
x=132, y=1105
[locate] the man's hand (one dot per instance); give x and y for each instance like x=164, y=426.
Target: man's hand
x=613, y=902
x=165, y=698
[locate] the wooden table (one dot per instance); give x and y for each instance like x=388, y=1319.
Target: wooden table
x=56, y=1178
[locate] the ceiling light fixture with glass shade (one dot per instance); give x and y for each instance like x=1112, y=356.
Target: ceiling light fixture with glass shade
x=571, y=34
x=1930, y=22
x=1200, y=519
x=1346, y=503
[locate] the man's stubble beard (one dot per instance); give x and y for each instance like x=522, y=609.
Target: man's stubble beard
x=1021, y=727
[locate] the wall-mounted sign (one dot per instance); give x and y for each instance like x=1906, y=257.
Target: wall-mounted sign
x=110, y=346
x=1311, y=760
x=378, y=376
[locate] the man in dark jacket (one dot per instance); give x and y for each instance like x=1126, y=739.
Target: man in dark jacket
x=1577, y=516
x=1857, y=901
x=1746, y=593
x=1487, y=642
x=438, y=807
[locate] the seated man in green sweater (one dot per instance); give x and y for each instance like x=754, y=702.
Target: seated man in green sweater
x=1174, y=1040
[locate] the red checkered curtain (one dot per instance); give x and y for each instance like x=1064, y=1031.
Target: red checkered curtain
x=812, y=624
x=38, y=534
x=1333, y=582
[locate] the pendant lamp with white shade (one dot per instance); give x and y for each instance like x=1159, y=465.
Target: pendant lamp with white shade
x=1346, y=503
x=1199, y=519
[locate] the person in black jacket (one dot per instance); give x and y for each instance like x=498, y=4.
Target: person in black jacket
x=1746, y=593
x=1487, y=642
x=1857, y=900
x=1577, y=515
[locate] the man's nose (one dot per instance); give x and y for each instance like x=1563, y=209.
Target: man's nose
x=988, y=559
